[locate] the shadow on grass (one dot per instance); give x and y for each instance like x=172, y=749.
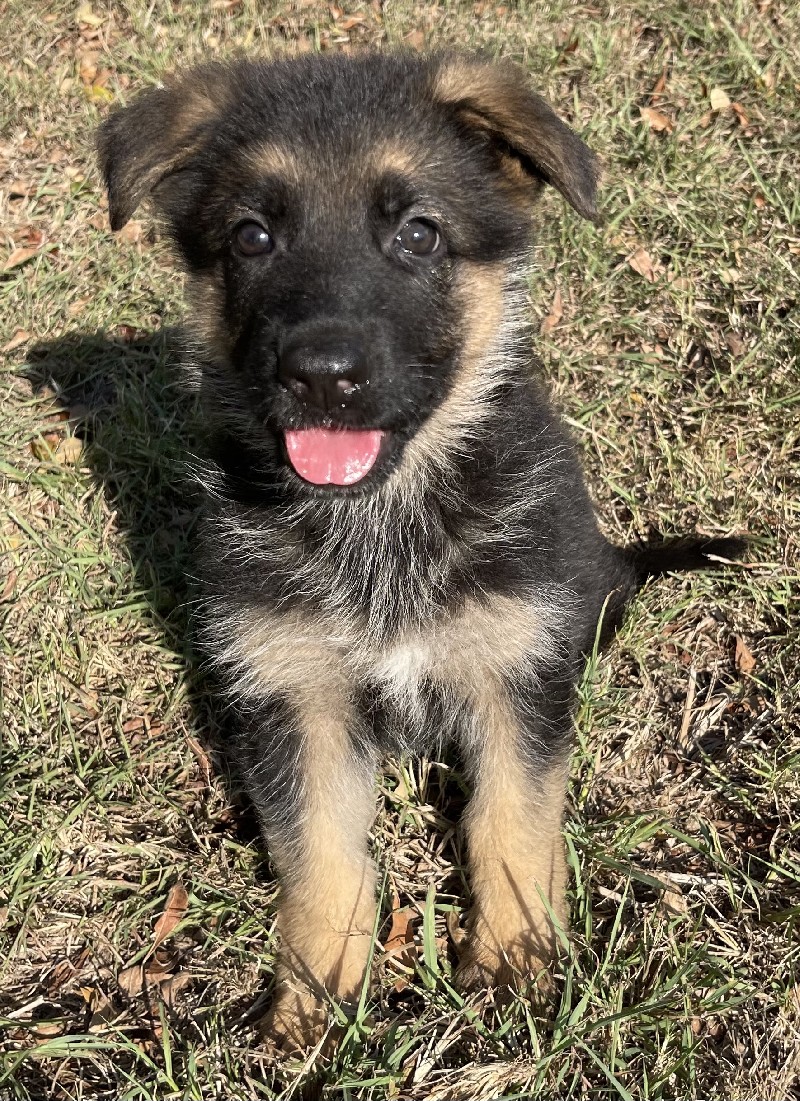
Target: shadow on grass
x=128, y=402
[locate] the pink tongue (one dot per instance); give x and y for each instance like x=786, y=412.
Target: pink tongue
x=333, y=456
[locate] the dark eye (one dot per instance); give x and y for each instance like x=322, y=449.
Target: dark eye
x=418, y=238
x=252, y=239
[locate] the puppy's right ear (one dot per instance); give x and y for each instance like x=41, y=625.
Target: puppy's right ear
x=157, y=135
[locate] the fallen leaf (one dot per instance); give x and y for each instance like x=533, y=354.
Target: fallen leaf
x=352, y=21
x=659, y=87
x=743, y=656
x=87, y=66
x=99, y=94
x=736, y=346
x=171, y=987
x=399, y=945
x=43, y=1030
x=401, y=932
x=672, y=901
x=174, y=912
x=555, y=315
x=739, y=111
x=719, y=100
x=21, y=336
x=19, y=189
x=131, y=980
x=161, y=963
x=19, y=256
x=78, y=305
x=642, y=263
x=10, y=585
x=85, y=15
x=656, y=120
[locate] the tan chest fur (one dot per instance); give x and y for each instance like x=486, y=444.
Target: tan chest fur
x=308, y=656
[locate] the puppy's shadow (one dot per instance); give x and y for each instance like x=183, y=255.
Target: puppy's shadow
x=127, y=400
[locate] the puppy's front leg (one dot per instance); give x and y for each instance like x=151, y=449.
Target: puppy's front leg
x=313, y=786
x=517, y=745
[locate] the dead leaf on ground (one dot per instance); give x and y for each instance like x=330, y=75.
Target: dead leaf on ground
x=20, y=189
x=656, y=120
x=658, y=87
x=163, y=962
x=743, y=656
x=87, y=16
x=555, y=315
x=399, y=945
x=643, y=264
x=131, y=980
x=350, y=22
x=719, y=99
x=45, y=1030
x=739, y=111
x=21, y=336
x=19, y=256
x=170, y=988
x=174, y=913
x=8, y=587
x=672, y=901
x=735, y=345
x=87, y=66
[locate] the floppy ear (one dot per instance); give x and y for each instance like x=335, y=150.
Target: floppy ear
x=158, y=134
x=494, y=97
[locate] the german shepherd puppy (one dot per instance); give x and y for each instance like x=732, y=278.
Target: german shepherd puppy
x=398, y=549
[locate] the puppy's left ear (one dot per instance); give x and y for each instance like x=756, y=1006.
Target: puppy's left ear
x=537, y=146
x=141, y=146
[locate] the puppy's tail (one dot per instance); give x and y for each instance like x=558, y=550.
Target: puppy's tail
x=691, y=553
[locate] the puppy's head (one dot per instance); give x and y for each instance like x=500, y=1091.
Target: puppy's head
x=348, y=225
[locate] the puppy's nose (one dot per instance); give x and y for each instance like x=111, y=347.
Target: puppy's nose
x=326, y=374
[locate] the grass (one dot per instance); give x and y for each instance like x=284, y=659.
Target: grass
x=682, y=978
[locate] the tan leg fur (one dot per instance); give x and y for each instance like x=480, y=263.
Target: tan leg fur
x=516, y=851
x=327, y=911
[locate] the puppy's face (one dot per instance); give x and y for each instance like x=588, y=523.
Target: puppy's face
x=347, y=225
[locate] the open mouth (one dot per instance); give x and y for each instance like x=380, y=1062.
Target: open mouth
x=333, y=456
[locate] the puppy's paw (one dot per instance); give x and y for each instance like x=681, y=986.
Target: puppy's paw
x=483, y=967
x=296, y=1022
